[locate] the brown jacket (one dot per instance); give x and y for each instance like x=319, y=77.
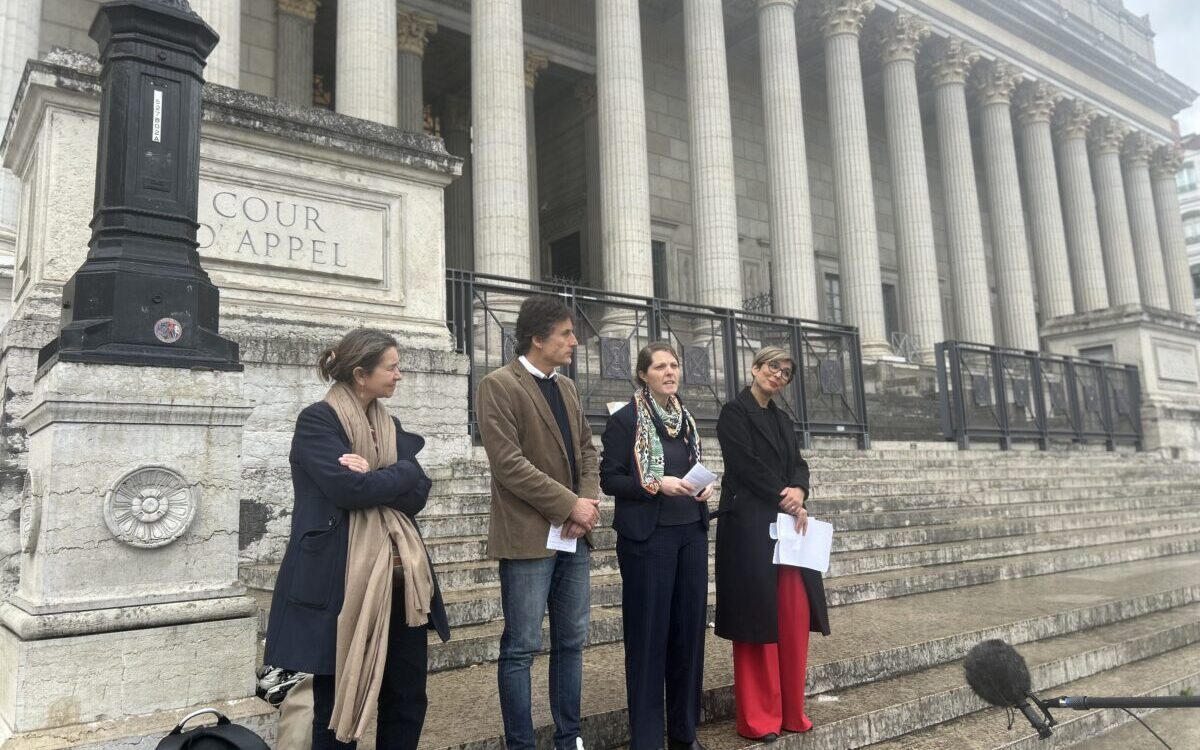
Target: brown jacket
x=531, y=474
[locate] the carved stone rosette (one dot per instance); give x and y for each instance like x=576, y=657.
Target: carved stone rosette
x=995, y=81
x=306, y=9
x=1035, y=102
x=843, y=16
x=952, y=61
x=1107, y=134
x=149, y=507
x=1073, y=119
x=1167, y=161
x=901, y=37
x=413, y=31
x=534, y=64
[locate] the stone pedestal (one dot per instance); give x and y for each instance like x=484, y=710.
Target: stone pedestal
x=129, y=550
x=1166, y=348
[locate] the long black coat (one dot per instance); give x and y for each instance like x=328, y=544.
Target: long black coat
x=757, y=468
x=302, y=630
x=635, y=513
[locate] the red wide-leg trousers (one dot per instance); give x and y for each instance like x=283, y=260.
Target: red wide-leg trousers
x=768, y=678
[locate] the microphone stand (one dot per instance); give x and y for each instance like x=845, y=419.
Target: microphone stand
x=1087, y=703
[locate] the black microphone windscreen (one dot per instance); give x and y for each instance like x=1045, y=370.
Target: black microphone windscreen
x=997, y=673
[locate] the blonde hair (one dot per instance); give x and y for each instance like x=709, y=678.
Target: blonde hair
x=769, y=354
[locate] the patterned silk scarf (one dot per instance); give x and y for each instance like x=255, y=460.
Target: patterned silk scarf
x=647, y=445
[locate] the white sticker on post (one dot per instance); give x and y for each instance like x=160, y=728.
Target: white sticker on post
x=156, y=124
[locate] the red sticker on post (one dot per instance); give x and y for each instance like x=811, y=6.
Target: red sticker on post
x=168, y=330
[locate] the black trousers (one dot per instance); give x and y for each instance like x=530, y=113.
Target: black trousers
x=402, y=698
x=664, y=599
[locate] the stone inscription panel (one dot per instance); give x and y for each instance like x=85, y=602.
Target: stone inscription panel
x=259, y=226
x=1176, y=363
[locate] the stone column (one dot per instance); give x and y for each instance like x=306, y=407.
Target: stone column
x=920, y=298
x=1120, y=268
x=501, y=166
x=1139, y=197
x=593, y=253
x=714, y=203
x=412, y=32
x=951, y=62
x=995, y=85
x=534, y=64
x=456, y=130
x=225, y=17
x=854, y=195
x=1079, y=207
x=294, y=51
x=1167, y=161
x=20, y=21
x=794, y=286
x=366, y=60
x=624, y=196
x=1035, y=107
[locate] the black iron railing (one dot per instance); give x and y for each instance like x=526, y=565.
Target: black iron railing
x=989, y=393
x=717, y=347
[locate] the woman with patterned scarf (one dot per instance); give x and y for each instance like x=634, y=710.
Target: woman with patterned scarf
x=662, y=549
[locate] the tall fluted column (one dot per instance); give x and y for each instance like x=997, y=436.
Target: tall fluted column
x=456, y=129
x=294, y=51
x=1139, y=197
x=795, y=277
x=20, y=22
x=501, y=154
x=1119, y=266
x=714, y=203
x=593, y=252
x=920, y=297
x=854, y=195
x=366, y=60
x=534, y=64
x=624, y=173
x=1035, y=107
x=1079, y=207
x=951, y=63
x=995, y=85
x=1167, y=161
x=412, y=33
x=224, y=65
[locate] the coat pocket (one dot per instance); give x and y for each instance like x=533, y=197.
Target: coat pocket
x=313, y=572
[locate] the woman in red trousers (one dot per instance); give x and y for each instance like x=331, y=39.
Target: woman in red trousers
x=767, y=610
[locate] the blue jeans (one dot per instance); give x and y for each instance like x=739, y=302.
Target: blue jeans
x=526, y=588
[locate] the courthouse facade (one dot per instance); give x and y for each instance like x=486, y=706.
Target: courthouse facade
x=921, y=170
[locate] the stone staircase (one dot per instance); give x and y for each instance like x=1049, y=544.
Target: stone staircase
x=1089, y=562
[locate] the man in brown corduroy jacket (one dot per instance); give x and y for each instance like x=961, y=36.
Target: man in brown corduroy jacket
x=545, y=472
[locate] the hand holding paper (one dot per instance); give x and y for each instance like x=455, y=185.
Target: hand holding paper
x=809, y=550
x=699, y=476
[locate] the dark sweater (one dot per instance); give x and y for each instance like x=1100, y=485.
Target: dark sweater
x=676, y=510
x=549, y=388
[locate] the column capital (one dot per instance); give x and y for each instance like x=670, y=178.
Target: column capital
x=995, y=81
x=1107, y=134
x=791, y=4
x=952, y=61
x=1138, y=148
x=843, y=16
x=1035, y=101
x=1073, y=118
x=1167, y=160
x=306, y=9
x=585, y=92
x=413, y=30
x=456, y=115
x=901, y=37
x=535, y=63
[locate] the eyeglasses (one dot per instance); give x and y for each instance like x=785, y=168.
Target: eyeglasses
x=777, y=369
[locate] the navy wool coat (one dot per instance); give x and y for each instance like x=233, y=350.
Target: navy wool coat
x=757, y=468
x=302, y=629
x=636, y=511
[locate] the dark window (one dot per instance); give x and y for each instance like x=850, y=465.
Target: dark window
x=1104, y=353
x=1196, y=282
x=658, y=259
x=833, y=298
x=891, y=313
x=566, y=265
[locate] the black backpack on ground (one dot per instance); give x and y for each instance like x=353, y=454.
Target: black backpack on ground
x=224, y=735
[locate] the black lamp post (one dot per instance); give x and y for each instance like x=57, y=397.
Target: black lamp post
x=141, y=297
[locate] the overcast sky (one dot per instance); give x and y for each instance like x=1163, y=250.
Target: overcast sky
x=1176, y=25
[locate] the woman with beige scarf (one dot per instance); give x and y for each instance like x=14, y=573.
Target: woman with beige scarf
x=356, y=591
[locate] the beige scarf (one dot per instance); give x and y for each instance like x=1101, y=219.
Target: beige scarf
x=362, y=631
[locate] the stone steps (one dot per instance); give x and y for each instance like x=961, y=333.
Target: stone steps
x=1147, y=606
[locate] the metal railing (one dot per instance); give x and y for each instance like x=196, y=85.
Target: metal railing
x=716, y=346
x=990, y=393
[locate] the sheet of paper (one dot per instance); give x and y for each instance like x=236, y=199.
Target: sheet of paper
x=615, y=406
x=699, y=476
x=808, y=551
x=555, y=541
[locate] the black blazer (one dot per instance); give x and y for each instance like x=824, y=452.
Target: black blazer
x=757, y=468
x=636, y=512
x=302, y=629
